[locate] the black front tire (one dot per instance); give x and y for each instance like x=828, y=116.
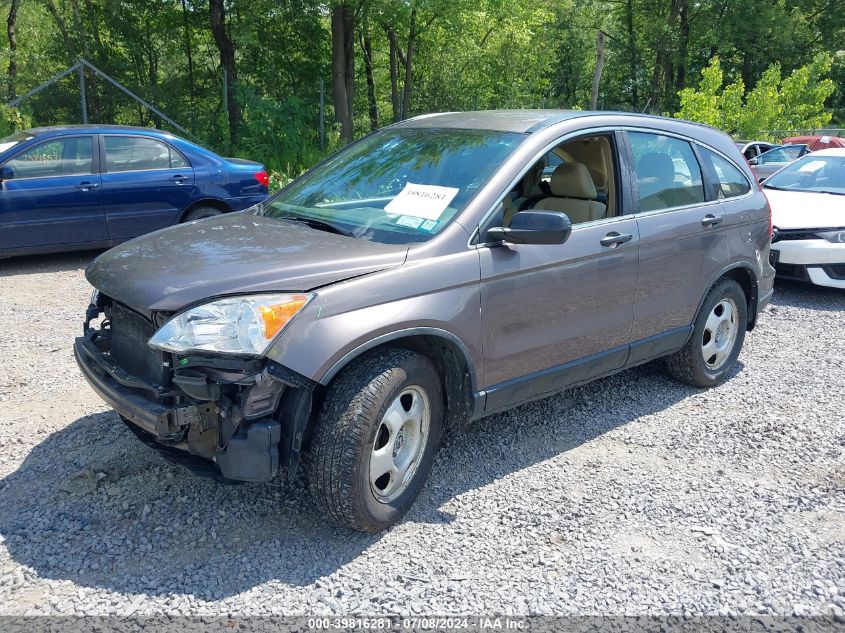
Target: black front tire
x=689, y=365
x=338, y=461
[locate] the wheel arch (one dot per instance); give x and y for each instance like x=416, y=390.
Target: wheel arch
x=444, y=349
x=744, y=275
x=215, y=203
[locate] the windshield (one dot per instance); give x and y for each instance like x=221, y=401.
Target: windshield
x=13, y=139
x=396, y=186
x=822, y=174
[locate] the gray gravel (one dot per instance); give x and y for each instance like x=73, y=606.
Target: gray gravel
x=632, y=495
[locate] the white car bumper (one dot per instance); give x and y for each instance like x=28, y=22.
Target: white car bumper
x=818, y=261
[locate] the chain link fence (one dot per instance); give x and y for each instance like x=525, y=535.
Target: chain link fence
x=83, y=93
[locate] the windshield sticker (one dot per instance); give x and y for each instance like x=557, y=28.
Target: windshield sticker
x=428, y=225
x=410, y=222
x=422, y=201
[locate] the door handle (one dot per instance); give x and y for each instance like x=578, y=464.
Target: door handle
x=178, y=179
x=614, y=239
x=710, y=220
x=86, y=186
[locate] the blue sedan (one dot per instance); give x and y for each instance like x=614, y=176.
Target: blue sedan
x=92, y=186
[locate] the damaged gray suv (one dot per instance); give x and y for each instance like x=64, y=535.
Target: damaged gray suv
x=437, y=271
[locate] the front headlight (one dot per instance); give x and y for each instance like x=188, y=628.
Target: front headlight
x=236, y=325
x=837, y=236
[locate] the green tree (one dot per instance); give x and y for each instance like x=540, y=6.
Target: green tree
x=775, y=104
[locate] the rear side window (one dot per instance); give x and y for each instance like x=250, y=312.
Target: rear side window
x=59, y=157
x=729, y=180
x=137, y=153
x=668, y=173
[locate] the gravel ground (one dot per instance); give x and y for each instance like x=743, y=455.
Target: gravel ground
x=632, y=495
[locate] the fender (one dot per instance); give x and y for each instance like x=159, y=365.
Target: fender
x=327, y=377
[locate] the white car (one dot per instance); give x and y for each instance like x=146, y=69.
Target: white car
x=808, y=215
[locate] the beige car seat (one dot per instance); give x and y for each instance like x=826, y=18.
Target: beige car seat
x=574, y=193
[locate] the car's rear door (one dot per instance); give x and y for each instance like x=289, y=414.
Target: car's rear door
x=147, y=184
x=53, y=197
x=683, y=241
x=556, y=315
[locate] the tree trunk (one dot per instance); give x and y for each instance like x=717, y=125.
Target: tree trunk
x=80, y=28
x=13, y=48
x=747, y=68
x=70, y=46
x=226, y=47
x=632, y=54
x=409, y=66
x=683, y=46
x=349, y=31
x=394, y=75
x=367, y=49
x=670, y=55
x=594, y=98
x=342, y=21
x=188, y=51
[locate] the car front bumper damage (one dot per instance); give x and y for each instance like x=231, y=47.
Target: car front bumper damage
x=236, y=422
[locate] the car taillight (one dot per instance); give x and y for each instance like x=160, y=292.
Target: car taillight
x=263, y=178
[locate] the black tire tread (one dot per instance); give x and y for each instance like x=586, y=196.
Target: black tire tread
x=191, y=215
x=340, y=429
x=683, y=364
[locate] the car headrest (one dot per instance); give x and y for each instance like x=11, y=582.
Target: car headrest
x=656, y=166
x=572, y=180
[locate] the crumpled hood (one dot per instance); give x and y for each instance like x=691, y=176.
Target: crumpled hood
x=232, y=254
x=806, y=210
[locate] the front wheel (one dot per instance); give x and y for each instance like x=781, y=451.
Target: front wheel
x=375, y=439
x=716, y=340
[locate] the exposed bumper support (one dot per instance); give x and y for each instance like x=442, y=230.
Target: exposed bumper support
x=250, y=454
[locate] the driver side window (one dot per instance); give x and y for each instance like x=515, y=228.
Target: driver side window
x=577, y=178
x=59, y=157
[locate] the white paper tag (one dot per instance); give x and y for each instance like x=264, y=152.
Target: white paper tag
x=422, y=201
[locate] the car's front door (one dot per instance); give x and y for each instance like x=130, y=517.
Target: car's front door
x=557, y=315
x=52, y=197
x=147, y=184
x=683, y=242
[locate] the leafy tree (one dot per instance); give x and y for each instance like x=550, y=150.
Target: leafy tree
x=775, y=104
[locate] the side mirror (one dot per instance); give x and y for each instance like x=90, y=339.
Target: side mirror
x=534, y=227
x=753, y=161
x=6, y=173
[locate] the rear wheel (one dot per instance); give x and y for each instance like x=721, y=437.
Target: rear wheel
x=717, y=337
x=200, y=213
x=375, y=439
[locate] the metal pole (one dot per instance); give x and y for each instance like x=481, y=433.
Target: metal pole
x=82, y=99
x=16, y=102
x=125, y=90
x=322, y=115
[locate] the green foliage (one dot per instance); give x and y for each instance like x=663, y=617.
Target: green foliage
x=12, y=120
x=775, y=104
x=774, y=61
